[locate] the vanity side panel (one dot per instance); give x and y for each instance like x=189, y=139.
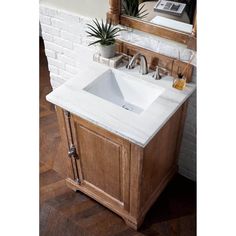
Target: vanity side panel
x=136, y=165
x=62, y=163
x=160, y=160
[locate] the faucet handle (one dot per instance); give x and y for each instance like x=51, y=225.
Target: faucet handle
x=160, y=72
x=126, y=58
x=128, y=65
x=156, y=74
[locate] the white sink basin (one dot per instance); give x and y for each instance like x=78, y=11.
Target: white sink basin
x=130, y=93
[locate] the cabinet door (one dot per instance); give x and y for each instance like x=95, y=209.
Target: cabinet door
x=104, y=160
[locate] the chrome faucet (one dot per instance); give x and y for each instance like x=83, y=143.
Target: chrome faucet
x=143, y=63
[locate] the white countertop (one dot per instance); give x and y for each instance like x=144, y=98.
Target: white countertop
x=137, y=128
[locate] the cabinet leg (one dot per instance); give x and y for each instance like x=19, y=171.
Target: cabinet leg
x=71, y=184
x=134, y=224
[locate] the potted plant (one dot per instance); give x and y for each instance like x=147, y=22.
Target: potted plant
x=105, y=34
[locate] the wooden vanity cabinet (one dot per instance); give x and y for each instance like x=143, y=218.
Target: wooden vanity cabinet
x=121, y=175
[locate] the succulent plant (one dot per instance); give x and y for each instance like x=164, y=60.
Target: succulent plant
x=131, y=8
x=104, y=32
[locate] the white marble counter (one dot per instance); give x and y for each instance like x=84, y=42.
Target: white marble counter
x=137, y=128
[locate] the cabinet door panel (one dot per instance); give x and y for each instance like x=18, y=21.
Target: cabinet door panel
x=100, y=161
x=104, y=162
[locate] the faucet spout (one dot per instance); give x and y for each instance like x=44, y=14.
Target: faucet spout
x=143, y=63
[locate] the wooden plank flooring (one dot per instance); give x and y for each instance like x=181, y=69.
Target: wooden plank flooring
x=66, y=213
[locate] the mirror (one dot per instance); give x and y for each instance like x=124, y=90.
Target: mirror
x=175, y=19
x=176, y=15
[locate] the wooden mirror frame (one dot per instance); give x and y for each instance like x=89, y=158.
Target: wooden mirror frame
x=114, y=15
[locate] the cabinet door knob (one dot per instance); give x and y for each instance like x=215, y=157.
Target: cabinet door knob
x=72, y=152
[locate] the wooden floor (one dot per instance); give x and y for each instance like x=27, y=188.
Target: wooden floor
x=66, y=213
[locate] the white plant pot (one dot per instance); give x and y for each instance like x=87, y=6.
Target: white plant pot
x=108, y=51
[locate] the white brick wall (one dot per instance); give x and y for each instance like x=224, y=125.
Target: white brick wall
x=70, y=36
x=53, y=69
x=58, y=23
x=66, y=60
x=46, y=11
x=50, y=30
x=63, y=43
x=47, y=37
x=57, y=63
x=45, y=19
x=71, y=69
x=63, y=35
x=50, y=53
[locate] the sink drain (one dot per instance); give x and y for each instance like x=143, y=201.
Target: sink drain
x=125, y=106
x=130, y=107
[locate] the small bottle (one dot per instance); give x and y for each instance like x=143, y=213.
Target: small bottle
x=179, y=82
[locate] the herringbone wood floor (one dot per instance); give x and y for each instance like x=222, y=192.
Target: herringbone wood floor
x=66, y=213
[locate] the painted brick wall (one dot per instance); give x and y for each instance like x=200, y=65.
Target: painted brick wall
x=64, y=34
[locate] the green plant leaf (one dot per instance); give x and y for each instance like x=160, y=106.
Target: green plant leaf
x=95, y=42
x=131, y=8
x=103, y=31
x=94, y=30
